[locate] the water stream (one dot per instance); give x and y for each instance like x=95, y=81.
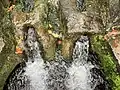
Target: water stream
x=35, y=74
x=83, y=73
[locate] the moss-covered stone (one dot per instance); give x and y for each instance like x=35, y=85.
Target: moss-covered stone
x=8, y=58
x=48, y=42
x=67, y=45
x=108, y=62
x=43, y=14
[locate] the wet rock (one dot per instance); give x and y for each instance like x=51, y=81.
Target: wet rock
x=8, y=58
x=108, y=61
x=28, y=5
x=48, y=42
x=79, y=4
x=82, y=23
x=66, y=48
x=116, y=51
x=1, y=44
x=34, y=18
x=114, y=10
x=68, y=44
x=44, y=14
x=79, y=22
x=92, y=20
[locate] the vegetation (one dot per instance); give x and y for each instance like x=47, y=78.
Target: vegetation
x=8, y=59
x=53, y=16
x=108, y=62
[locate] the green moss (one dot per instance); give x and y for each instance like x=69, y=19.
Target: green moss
x=7, y=33
x=7, y=68
x=107, y=59
x=8, y=59
x=54, y=16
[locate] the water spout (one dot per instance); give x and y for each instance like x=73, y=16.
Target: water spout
x=81, y=74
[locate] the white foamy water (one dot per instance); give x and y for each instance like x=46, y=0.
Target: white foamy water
x=80, y=76
x=36, y=74
x=34, y=69
x=57, y=74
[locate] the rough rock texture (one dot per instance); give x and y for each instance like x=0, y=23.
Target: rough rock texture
x=48, y=43
x=8, y=58
x=113, y=14
x=1, y=44
x=77, y=21
x=113, y=20
x=34, y=18
x=98, y=16
x=116, y=51
x=60, y=16
x=114, y=11
x=68, y=45
x=114, y=42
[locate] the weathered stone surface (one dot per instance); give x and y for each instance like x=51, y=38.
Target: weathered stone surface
x=48, y=43
x=114, y=10
x=114, y=41
x=1, y=44
x=8, y=58
x=28, y=5
x=116, y=51
x=79, y=22
x=62, y=16
x=67, y=45
x=82, y=23
x=113, y=16
x=34, y=19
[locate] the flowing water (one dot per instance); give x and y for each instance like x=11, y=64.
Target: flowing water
x=80, y=77
x=34, y=69
x=81, y=74
x=57, y=74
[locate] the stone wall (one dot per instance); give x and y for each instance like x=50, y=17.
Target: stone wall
x=8, y=59
x=60, y=17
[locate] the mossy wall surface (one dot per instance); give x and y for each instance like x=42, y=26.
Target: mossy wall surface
x=108, y=62
x=54, y=16
x=8, y=59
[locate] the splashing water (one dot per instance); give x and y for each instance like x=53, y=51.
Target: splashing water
x=36, y=74
x=34, y=69
x=32, y=76
x=81, y=74
x=80, y=70
x=57, y=75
